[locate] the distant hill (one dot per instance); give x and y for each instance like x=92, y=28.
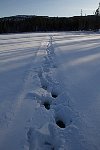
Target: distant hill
x=32, y=23
x=18, y=17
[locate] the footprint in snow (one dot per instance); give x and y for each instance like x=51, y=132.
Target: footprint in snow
x=63, y=116
x=60, y=123
x=54, y=94
x=55, y=89
x=46, y=104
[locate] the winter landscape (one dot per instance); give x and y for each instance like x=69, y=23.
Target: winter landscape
x=50, y=91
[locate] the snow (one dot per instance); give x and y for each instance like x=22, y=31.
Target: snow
x=50, y=91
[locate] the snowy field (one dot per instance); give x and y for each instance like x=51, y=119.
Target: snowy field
x=50, y=91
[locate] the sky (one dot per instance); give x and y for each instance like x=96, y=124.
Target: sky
x=54, y=8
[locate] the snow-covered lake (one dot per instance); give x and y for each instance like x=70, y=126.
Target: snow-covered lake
x=50, y=91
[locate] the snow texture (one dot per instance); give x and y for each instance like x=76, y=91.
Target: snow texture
x=50, y=91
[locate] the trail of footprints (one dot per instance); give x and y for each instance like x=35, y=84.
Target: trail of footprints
x=54, y=100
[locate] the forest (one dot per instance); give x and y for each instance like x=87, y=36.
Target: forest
x=22, y=23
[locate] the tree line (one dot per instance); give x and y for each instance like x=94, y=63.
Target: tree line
x=16, y=24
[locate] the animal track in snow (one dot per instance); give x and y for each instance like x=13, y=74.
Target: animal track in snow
x=47, y=105
x=63, y=116
x=54, y=95
x=60, y=123
x=55, y=88
x=60, y=108
x=62, y=99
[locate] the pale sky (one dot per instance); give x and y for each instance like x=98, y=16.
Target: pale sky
x=55, y=8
